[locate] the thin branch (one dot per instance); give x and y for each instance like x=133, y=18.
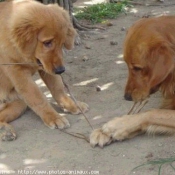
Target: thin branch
x=137, y=107
x=66, y=86
x=77, y=135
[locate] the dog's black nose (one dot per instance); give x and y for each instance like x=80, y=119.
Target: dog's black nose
x=59, y=70
x=128, y=97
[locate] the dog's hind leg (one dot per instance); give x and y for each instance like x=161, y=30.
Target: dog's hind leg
x=10, y=112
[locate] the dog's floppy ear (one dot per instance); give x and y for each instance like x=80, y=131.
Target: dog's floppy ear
x=162, y=61
x=24, y=34
x=71, y=33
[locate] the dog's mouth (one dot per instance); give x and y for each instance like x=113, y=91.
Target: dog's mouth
x=154, y=89
x=38, y=62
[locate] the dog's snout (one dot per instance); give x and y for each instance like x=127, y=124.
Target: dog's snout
x=128, y=97
x=59, y=70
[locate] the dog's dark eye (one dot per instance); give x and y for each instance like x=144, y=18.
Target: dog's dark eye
x=137, y=68
x=48, y=43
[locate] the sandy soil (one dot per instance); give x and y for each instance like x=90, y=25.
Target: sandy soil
x=94, y=63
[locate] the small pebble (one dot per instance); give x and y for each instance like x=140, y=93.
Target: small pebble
x=113, y=42
x=151, y=168
x=85, y=58
x=160, y=144
x=98, y=88
x=87, y=47
x=123, y=29
x=102, y=37
x=109, y=24
x=149, y=155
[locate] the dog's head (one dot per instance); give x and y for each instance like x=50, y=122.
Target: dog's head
x=40, y=32
x=149, y=59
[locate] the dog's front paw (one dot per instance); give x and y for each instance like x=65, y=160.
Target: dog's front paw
x=110, y=131
x=7, y=132
x=98, y=137
x=69, y=105
x=83, y=106
x=118, y=129
x=56, y=122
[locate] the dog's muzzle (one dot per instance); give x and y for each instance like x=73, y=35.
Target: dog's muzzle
x=59, y=70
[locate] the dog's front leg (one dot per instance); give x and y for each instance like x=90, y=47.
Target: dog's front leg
x=118, y=129
x=56, y=87
x=160, y=121
x=33, y=97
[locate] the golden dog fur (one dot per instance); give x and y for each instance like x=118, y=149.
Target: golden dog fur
x=33, y=34
x=149, y=52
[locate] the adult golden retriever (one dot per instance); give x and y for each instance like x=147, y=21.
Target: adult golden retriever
x=149, y=52
x=33, y=34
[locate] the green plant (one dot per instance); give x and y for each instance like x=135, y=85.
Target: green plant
x=98, y=12
x=159, y=163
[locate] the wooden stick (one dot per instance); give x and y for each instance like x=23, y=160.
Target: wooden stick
x=77, y=103
x=132, y=108
x=140, y=107
x=137, y=108
x=77, y=135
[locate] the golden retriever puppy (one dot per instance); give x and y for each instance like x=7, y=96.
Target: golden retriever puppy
x=149, y=52
x=33, y=34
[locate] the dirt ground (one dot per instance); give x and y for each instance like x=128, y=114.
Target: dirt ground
x=39, y=150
